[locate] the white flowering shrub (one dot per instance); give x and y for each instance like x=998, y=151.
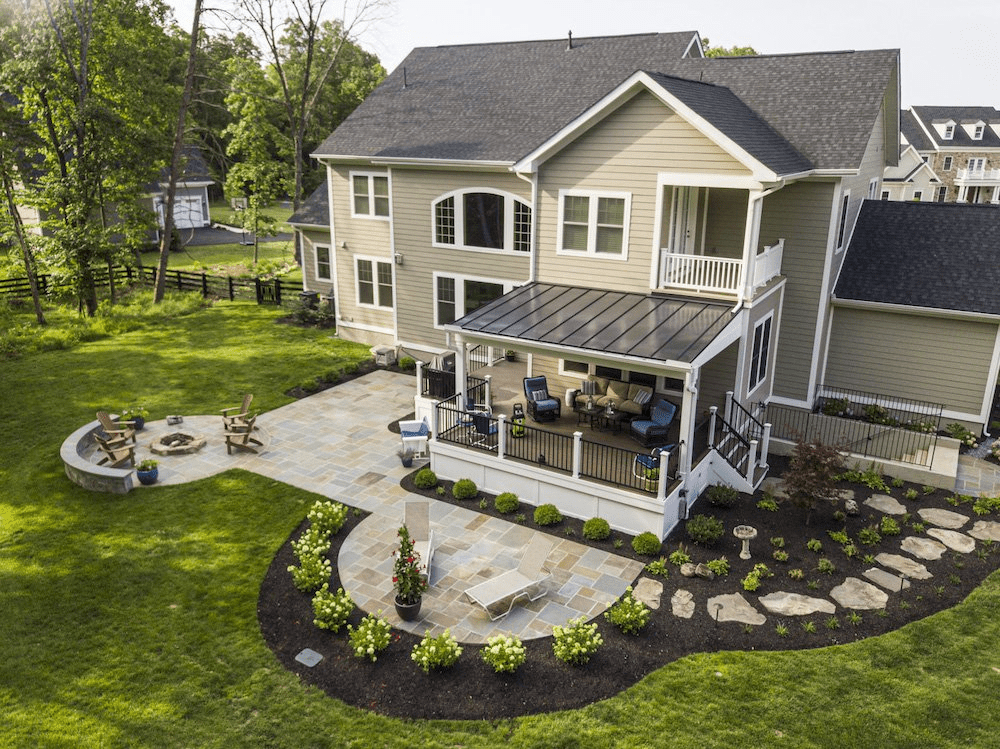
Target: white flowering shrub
x=504, y=652
x=436, y=652
x=331, y=609
x=311, y=543
x=311, y=574
x=370, y=638
x=630, y=614
x=327, y=516
x=576, y=642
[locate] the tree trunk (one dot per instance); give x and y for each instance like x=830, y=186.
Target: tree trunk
x=22, y=240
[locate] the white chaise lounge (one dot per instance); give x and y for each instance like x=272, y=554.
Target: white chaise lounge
x=416, y=518
x=513, y=584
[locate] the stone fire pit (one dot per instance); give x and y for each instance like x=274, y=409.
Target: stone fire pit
x=177, y=443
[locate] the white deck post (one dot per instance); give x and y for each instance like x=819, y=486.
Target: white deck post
x=711, y=425
x=661, y=485
x=420, y=377
x=765, y=445
x=489, y=392
x=577, y=453
x=751, y=461
x=728, y=415
x=501, y=435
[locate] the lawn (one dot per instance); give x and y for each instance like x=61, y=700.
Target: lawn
x=222, y=213
x=131, y=621
x=231, y=259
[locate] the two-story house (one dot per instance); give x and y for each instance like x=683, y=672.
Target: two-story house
x=962, y=146
x=617, y=209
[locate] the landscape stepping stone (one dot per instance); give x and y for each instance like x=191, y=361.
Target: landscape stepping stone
x=733, y=607
x=986, y=530
x=892, y=583
x=795, y=604
x=885, y=503
x=953, y=540
x=682, y=604
x=943, y=518
x=649, y=592
x=923, y=548
x=775, y=487
x=912, y=570
x=857, y=594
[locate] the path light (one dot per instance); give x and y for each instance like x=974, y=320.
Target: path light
x=745, y=534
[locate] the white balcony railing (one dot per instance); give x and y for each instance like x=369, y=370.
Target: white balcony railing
x=718, y=275
x=768, y=263
x=979, y=176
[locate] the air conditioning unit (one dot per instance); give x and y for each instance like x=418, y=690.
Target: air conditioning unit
x=385, y=356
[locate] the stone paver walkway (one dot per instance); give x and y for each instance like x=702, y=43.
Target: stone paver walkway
x=336, y=443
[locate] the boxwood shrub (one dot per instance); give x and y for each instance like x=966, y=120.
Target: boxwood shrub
x=705, y=530
x=547, y=514
x=596, y=529
x=721, y=495
x=506, y=503
x=425, y=478
x=464, y=489
x=646, y=544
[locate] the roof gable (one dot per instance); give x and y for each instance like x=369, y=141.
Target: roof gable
x=315, y=210
x=964, y=121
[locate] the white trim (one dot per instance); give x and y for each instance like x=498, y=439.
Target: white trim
x=330, y=260
x=335, y=287
x=841, y=235
x=908, y=310
x=509, y=221
x=823, y=303
x=371, y=215
x=506, y=285
x=330, y=159
x=696, y=179
x=696, y=43
x=594, y=197
x=374, y=260
x=989, y=389
x=366, y=326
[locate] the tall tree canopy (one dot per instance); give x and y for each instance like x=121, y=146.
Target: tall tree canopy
x=733, y=51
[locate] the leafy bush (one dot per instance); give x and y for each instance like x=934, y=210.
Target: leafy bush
x=986, y=505
x=796, y=574
x=814, y=544
x=719, y=566
x=910, y=494
x=768, y=503
x=464, y=489
x=506, y=503
x=754, y=577
x=836, y=406
x=825, y=566
x=327, y=516
x=705, y=530
x=780, y=555
x=596, y=529
x=646, y=544
x=629, y=614
x=407, y=363
x=311, y=574
x=436, y=652
x=959, y=432
x=870, y=477
x=576, y=642
x=720, y=495
x=869, y=535
x=311, y=543
x=370, y=638
x=331, y=609
x=547, y=514
x=850, y=550
x=778, y=542
x=425, y=478
x=889, y=526
x=680, y=556
x=840, y=537
x=505, y=653
x=658, y=567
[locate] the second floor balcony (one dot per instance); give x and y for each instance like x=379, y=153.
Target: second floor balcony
x=978, y=176
x=702, y=274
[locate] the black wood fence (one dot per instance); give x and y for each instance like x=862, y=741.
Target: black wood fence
x=273, y=291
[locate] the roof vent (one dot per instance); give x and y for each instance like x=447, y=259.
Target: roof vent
x=569, y=45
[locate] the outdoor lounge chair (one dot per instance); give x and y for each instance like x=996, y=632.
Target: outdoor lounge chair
x=654, y=429
x=414, y=434
x=416, y=518
x=237, y=415
x=117, y=452
x=241, y=437
x=484, y=429
x=541, y=406
x=517, y=582
x=647, y=467
x=116, y=429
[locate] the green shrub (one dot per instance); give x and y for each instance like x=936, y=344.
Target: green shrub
x=778, y=542
x=825, y=566
x=330, y=610
x=506, y=503
x=327, y=516
x=910, y=493
x=646, y=544
x=630, y=614
x=464, y=489
x=505, y=653
x=547, y=514
x=753, y=579
x=680, y=556
x=436, y=652
x=719, y=566
x=780, y=555
x=959, y=432
x=576, y=642
x=658, y=567
x=768, y=503
x=720, y=495
x=407, y=363
x=425, y=478
x=596, y=529
x=796, y=574
x=311, y=574
x=814, y=544
x=889, y=526
x=869, y=535
x=705, y=530
x=370, y=638
x=312, y=542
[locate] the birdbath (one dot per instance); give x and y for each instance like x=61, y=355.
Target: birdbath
x=745, y=533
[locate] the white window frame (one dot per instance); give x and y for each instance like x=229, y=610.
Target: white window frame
x=885, y=195
x=977, y=131
x=510, y=201
x=371, y=195
x=942, y=193
x=759, y=374
x=592, y=207
x=948, y=163
x=976, y=164
x=460, y=280
x=873, y=188
x=949, y=131
x=918, y=195
x=329, y=262
x=375, y=261
x=574, y=372
x=845, y=204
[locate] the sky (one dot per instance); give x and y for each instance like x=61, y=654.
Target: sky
x=949, y=49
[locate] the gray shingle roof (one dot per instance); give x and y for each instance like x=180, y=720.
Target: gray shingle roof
x=499, y=102
x=966, y=115
x=913, y=133
x=931, y=255
x=315, y=210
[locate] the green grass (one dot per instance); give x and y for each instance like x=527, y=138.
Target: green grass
x=221, y=213
x=231, y=259
x=131, y=621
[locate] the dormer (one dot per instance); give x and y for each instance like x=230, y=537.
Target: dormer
x=974, y=129
x=945, y=129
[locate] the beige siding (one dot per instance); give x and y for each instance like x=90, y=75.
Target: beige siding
x=910, y=356
x=717, y=377
x=413, y=193
x=622, y=153
x=727, y=220
x=761, y=309
x=801, y=214
x=311, y=238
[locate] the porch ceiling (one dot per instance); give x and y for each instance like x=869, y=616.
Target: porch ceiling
x=654, y=327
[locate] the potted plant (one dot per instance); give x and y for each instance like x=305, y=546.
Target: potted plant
x=405, y=457
x=147, y=471
x=509, y=354
x=651, y=478
x=137, y=415
x=407, y=578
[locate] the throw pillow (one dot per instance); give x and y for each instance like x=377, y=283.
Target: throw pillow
x=539, y=395
x=642, y=397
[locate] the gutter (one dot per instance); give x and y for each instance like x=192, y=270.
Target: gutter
x=911, y=310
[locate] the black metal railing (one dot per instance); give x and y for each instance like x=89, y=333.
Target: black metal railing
x=743, y=421
x=877, y=408
x=539, y=446
x=732, y=445
x=437, y=383
x=476, y=395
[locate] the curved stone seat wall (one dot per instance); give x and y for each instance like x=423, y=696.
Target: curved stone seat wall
x=83, y=472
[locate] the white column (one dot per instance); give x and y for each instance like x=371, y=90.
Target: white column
x=751, y=461
x=577, y=453
x=689, y=410
x=765, y=446
x=661, y=485
x=711, y=425
x=501, y=436
x=461, y=380
x=420, y=377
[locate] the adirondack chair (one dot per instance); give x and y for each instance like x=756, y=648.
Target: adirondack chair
x=518, y=582
x=416, y=518
x=116, y=429
x=240, y=437
x=117, y=452
x=237, y=415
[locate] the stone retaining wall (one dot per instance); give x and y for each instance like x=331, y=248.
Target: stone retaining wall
x=83, y=472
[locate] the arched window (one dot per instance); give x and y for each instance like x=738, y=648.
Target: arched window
x=482, y=219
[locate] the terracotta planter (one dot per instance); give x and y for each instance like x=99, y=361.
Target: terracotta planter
x=408, y=612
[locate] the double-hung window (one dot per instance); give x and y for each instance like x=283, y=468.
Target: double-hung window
x=369, y=195
x=947, y=163
x=759, y=354
x=324, y=263
x=457, y=296
x=845, y=202
x=976, y=167
x=482, y=219
x=374, y=283
x=594, y=223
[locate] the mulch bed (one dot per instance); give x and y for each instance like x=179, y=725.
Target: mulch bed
x=395, y=686
x=336, y=377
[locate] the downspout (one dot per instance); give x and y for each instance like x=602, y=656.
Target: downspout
x=532, y=180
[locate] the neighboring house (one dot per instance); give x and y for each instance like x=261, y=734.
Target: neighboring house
x=191, y=207
x=962, y=146
x=911, y=179
x=618, y=207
